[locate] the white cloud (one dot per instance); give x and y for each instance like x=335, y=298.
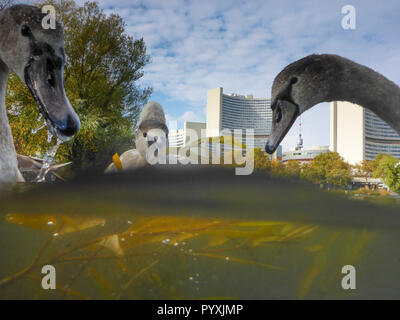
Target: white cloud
x=199, y=45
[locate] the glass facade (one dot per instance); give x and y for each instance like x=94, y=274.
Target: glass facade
x=379, y=137
x=239, y=112
x=176, y=138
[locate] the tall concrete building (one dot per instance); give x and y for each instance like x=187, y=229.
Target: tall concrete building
x=238, y=112
x=180, y=137
x=357, y=134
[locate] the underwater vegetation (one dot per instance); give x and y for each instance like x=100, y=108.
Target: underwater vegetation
x=193, y=233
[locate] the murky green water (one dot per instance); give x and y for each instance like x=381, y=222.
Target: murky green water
x=195, y=233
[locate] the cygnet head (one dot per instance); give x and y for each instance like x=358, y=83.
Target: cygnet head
x=37, y=56
x=152, y=133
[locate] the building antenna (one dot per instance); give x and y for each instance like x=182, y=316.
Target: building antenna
x=300, y=141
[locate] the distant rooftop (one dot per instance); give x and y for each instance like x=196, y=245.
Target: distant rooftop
x=248, y=96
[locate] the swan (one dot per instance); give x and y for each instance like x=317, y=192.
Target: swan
x=324, y=78
x=37, y=57
x=152, y=133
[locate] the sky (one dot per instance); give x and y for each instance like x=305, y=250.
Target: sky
x=197, y=45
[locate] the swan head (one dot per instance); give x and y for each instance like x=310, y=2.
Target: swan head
x=152, y=132
x=37, y=56
x=298, y=87
x=151, y=137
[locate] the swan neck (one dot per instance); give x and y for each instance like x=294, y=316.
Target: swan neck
x=373, y=91
x=9, y=172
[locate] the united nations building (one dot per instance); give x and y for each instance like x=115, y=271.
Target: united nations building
x=229, y=112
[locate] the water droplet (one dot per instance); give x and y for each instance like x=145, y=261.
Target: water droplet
x=176, y=244
x=36, y=130
x=49, y=136
x=166, y=241
x=129, y=222
x=191, y=278
x=48, y=158
x=50, y=223
x=55, y=235
x=40, y=126
x=227, y=258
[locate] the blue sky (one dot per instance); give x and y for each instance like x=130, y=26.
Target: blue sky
x=242, y=45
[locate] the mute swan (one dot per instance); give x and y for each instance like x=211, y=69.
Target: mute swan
x=37, y=56
x=152, y=134
x=325, y=78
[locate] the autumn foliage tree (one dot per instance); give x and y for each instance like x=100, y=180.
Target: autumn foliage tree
x=328, y=168
x=101, y=72
x=261, y=160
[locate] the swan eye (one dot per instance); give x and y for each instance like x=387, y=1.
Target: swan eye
x=26, y=31
x=278, y=115
x=37, y=52
x=145, y=134
x=293, y=80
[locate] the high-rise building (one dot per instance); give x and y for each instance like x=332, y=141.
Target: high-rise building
x=180, y=137
x=229, y=112
x=358, y=134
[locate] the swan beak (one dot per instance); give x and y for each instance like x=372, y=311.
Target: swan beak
x=44, y=77
x=283, y=117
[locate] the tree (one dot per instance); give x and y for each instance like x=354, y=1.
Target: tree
x=387, y=169
x=392, y=177
x=292, y=168
x=277, y=167
x=328, y=168
x=309, y=173
x=365, y=168
x=101, y=72
x=261, y=160
x=338, y=177
x=382, y=162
